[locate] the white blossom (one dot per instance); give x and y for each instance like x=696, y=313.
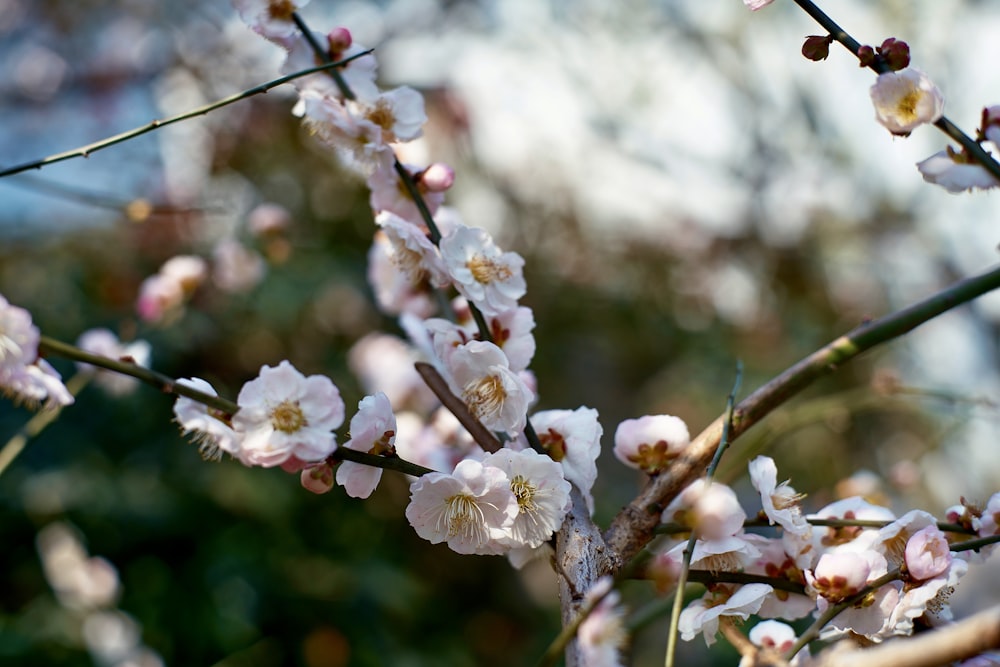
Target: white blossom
x=541, y=490
x=373, y=430
x=485, y=275
x=284, y=414
x=495, y=395
x=210, y=428
x=905, y=100
x=472, y=509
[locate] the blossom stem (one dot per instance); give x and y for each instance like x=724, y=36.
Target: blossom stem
x=675, y=611
x=633, y=527
x=37, y=423
x=170, y=386
x=86, y=151
x=386, y=462
x=812, y=632
x=160, y=381
x=971, y=146
x=439, y=386
x=974, y=544
x=322, y=54
x=345, y=90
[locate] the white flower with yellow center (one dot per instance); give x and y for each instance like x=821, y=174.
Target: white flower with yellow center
x=471, y=509
x=485, y=275
x=494, y=394
x=542, y=494
x=284, y=414
x=906, y=99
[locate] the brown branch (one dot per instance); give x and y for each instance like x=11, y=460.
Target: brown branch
x=633, y=527
x=964, y=639
x=439, y=386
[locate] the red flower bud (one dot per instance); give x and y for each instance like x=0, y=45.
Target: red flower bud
x=817, y=47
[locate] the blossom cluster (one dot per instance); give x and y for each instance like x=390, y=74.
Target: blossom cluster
x=885, y=578
x=24, y=376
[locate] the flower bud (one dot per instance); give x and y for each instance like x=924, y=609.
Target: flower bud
x=866, y=56
x=817, y=47
x=895, y=53
x=318, y=479
x=438, y=177
x=339, y=40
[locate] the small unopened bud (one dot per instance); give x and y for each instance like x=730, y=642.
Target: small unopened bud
x=318, y=479
x=866, y=56
x=990, y=128
x=437, y=178
x=817, y=47
x=895, y=53
x=339, y=40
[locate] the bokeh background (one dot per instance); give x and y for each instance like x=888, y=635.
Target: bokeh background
x=686, y=188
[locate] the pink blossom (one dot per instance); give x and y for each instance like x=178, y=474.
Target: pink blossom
x=412, y=252
x=271, y=19
x=480, y=375
x=283, y=414
x=956, y=172
x=703, y=614
x=774, y=635
x=712, y=510
x=780, y=501
x=485, y=275
x=603, y=632
x=18, y=337
x=395, y=291
x=573, y=438
x=318, y=478
x=471, y=509
x=905, y=100
x=105, y=343
x=542, y=494
x=754, y=5
x=389, y=194
x=838, y=576
x=208, y=427
x=650, y=443
x=373, y=430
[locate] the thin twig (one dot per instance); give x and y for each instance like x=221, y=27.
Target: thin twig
x=169, y=385
x=968, y=143
x=37, y=423
x=89, y=149
x=439, y=386
x=675, y=610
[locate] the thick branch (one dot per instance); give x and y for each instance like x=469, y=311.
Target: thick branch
x=633, y=527
x=965, y=639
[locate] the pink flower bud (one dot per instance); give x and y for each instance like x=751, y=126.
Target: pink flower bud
x=339, y=40
x=650, y=443
x=318, y=479
x=927, y=553
x=839, y=575
x=438, y=177
x=895, y=53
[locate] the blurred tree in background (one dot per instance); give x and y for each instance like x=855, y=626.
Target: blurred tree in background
x=686, y=193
